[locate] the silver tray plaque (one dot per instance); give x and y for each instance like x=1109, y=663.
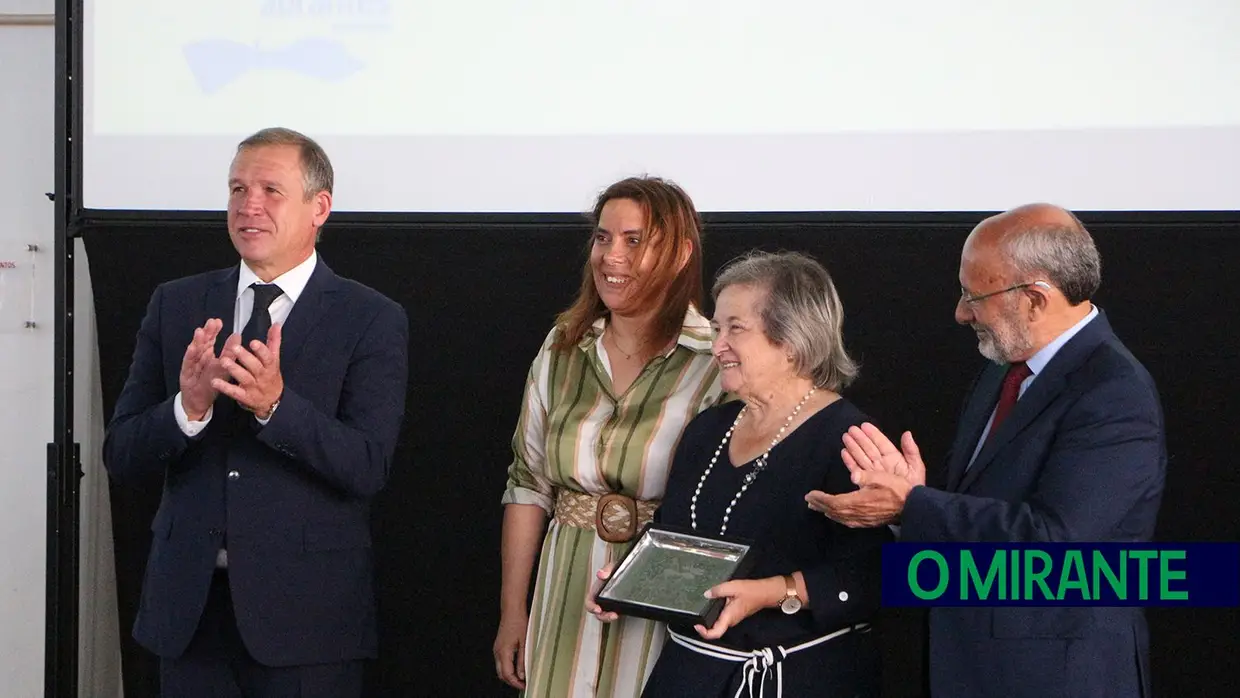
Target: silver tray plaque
x=667, y=571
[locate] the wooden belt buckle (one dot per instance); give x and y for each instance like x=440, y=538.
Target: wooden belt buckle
x=625, y=534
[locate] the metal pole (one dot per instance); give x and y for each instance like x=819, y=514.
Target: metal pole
x=64, y=469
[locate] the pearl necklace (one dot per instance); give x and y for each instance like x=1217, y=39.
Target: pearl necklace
x=758, y=467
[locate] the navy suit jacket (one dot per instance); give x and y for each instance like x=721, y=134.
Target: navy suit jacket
x=291, y=499
x=1081, y=457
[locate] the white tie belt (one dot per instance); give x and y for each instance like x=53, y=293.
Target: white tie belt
x=757, y=663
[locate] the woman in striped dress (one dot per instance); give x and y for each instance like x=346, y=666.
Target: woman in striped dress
x=625, y=368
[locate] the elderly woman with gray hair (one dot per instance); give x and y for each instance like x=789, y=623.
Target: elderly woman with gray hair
x=798, y=625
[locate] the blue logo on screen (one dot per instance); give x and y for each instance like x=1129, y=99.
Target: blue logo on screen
x=217, y=62
x=344, y=14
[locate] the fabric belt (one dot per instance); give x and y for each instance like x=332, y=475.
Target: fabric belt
x=617, y=518
x=757, y=663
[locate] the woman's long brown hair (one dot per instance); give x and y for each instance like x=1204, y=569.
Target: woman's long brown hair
x=672, y=222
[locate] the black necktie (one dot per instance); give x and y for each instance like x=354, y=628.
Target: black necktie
x=260, y=317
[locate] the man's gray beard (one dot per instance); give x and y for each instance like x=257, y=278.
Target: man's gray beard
x=989, y=347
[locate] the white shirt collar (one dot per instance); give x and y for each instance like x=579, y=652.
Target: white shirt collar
x=1038, y=361
x=291, y=282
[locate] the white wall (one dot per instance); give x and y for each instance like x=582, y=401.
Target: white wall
x=27, y=111
x=27, y=7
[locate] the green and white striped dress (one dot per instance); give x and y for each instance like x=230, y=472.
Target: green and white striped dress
x=575, y=433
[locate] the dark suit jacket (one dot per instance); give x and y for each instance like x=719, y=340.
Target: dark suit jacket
x=1081, y=457
x=292, y=498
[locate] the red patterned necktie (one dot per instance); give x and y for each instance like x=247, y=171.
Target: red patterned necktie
x=1008, y=394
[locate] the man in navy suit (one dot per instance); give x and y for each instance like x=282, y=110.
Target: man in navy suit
x=270, y=396
x=1061, y=440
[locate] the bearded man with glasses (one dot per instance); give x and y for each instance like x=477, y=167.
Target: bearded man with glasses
x=1060, y=440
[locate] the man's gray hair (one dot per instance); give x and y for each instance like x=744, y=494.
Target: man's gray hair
x=802, y=311
x=1064, y=254
x=316, y=168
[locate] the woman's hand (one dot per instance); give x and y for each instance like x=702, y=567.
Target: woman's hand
x=522, y=536
x=745, y=597
x=591, y=605
x=509, y=648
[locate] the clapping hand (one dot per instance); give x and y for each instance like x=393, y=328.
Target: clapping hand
x=885, y=475
x=255, y=370
x=200, y=368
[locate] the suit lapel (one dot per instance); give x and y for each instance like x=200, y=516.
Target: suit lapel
x=1045, y=389
x=311, y=306
x=221, y=302
x=977, y=410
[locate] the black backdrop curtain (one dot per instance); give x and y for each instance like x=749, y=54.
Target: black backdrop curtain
x=481, y=297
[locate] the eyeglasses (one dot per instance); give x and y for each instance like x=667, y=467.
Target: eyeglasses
x=968, y=299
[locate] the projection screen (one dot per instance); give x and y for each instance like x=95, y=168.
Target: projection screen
x=469, y=106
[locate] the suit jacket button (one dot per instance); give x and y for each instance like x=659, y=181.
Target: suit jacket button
x=233, y=474
x=843, y=596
